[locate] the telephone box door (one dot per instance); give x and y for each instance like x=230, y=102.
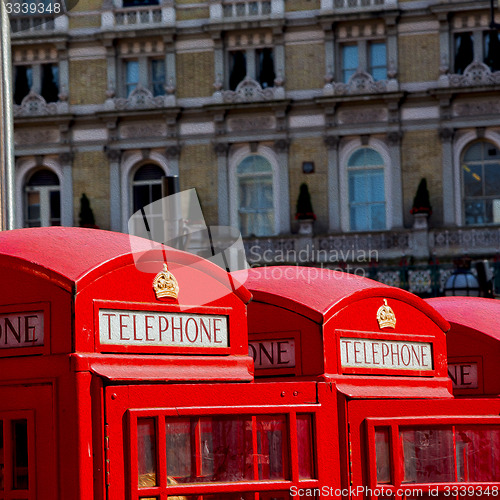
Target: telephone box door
x=27, y=443
x=211, y=441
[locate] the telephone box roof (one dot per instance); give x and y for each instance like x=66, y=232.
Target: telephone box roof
x=475, y=313
x=76, y=256
x=319, y=293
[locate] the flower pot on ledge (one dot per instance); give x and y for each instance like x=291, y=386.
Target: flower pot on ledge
x=421, y=220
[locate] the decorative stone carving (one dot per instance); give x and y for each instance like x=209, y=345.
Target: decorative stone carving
x=362, y=116
x=35, y=105
x=476, y=73
x=446, y=134
x=140, y=98
x=173, y=152
x=113, y=155
x=66, y=158
x=363, y=83
x=394, y=137
x=476, y=108
x=281, y=145
x=130, y=131
x=38, y=136
x=331, y=141
x=249, y=90
x=221, y=148
x=251, y=123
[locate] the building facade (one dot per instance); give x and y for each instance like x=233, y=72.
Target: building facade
x=247, y=100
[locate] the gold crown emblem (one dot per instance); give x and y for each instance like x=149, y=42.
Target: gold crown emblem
x=386, y=317
x=165, y=285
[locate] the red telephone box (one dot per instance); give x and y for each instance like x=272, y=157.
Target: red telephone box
x=381, y=353
x=119, y=384
x=473, y=344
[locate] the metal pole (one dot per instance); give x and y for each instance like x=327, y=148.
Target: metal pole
x=7, y=125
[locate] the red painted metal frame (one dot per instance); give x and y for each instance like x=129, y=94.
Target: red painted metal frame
x=125, y=404
x=43, y=306
x=394, y=425
x=384, y=336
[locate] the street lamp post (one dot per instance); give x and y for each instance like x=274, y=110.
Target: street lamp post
x=6, y=126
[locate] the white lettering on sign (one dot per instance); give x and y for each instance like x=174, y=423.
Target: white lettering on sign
x=384, y=354
x=21, y=329
x=463, y=375
x=279, y=353
x=147, y=328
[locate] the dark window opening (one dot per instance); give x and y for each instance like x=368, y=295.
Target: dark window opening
x=492, y=50
x=464, y=51
x=50, y=82
x=146, y=186
x=238, y=67
x=139, y=3
x=22, y=83
x=265, y=68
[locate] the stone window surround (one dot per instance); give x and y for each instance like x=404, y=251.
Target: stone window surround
x=130, y=163
x=235, y=158
x=248, y=42
x=361, y=33
x=461, y=143
x=346, y=149
x=36, y=57
x=143, y=51
x=24, y=168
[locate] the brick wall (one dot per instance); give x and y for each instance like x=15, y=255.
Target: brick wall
x=195, y=74
x=91, y=176
x=310, y=149
x=295, y=5
x=198, y=169
x=422, y=157
x=305, y=66
x=418, y=58
x=88, y=81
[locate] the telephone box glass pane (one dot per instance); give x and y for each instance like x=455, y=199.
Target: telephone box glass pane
x=146, y=452
x=178, y=448
x=478, y=453
x=1, y=456
x=428, y=455
x=271, y=447
x=20, y=454
x=383, y=456
x=304, y=445
x=215, y=448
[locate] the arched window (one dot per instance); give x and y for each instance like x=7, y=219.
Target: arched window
x=146, y=186
x=255, y=196
x=366, y=190
x=481, y=183
x=42, y=199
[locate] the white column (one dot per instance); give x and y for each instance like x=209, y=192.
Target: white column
x=333, y=183
x=221, y=149
x=448, y=175
x=66, y=160
x=395, y=220
x=115, y=189
x=283, y=187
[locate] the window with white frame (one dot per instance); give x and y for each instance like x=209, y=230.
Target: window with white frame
x=255, y=196
x=367, y=205
x=250, y=56
x=362, y=48
x=147, y=71
x=146, y=186
x=481, y=183
x=472, y=40
x=42, y=194
x=43, y=79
